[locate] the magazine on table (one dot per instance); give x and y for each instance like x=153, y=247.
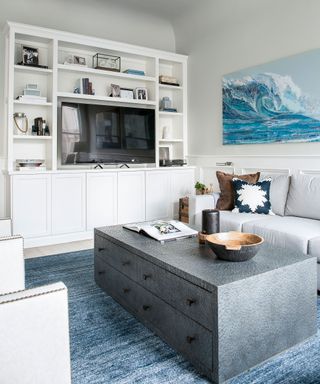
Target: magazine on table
x=162, y=230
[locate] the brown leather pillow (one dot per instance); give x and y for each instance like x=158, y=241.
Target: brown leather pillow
x=226, y=199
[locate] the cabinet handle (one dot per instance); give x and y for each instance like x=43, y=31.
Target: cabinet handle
x=100, y=249
x=126, y=290
x=146, y=307
x=190, y=302
x=190, y=339
x=145, y=277
x=125, y=263
x=101, y=272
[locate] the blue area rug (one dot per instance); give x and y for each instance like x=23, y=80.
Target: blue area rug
x=108, y=345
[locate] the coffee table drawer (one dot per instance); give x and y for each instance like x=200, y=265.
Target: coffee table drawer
x=193, y=301
x=116, y=256
x=182, y=333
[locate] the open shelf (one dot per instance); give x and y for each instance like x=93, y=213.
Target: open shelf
x=30, y=137
x=166, y=114
x=171, y=87
x=32, y=103
x=105, y=98
x=40, y=71
x=171, y=140
x=100, y=72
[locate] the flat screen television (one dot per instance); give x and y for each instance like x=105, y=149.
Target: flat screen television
x=97, y=133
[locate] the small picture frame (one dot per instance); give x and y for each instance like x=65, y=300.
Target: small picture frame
x=115, y=90
x=30, y=56
x=78, y=60
x=141, y=93
x=126, y=93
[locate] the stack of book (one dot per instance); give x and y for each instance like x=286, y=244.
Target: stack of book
x=32, y=99
x=85, y=86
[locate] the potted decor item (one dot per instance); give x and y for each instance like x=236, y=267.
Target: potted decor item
x=201, y=189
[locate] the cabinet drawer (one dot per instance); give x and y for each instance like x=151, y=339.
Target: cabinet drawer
x=182, y=333
x=193, y=301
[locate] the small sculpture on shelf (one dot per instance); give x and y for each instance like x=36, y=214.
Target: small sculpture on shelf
x=21, y=124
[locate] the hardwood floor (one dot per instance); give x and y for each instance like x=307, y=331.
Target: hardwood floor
x=58, y=248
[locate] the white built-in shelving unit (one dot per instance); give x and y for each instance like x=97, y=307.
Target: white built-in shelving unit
x=59, y=81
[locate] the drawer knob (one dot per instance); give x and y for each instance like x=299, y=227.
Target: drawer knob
x=100, y=249
x=101, y=272
x=146, y=277
x=126, y=290
x=190, y=339
x=190, y=302
x=125, y=263
x=146, y=307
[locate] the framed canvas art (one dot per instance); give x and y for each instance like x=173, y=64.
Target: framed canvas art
x=277, y=102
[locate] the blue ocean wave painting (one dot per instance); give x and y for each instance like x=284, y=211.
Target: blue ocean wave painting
x=268, y=108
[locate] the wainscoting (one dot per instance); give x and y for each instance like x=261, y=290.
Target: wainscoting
x=207, y=165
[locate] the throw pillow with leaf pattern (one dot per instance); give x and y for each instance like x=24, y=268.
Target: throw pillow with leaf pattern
x=252, y=198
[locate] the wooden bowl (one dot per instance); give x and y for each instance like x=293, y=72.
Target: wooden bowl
x=234, y=246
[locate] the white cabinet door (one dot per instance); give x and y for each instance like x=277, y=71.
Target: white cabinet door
x=68, y=203
x=158, y=195
x=101, y=199
x=131, y=197
x=31, y=205
x=182, y=184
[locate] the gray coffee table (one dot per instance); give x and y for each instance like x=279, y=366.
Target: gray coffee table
x=223, y=317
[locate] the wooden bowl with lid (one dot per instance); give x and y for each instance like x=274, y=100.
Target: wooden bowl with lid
x=234, y=246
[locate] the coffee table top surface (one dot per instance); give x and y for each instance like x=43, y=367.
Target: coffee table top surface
x=197, y=263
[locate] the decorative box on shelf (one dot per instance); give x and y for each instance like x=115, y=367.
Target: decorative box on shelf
x=106, y=62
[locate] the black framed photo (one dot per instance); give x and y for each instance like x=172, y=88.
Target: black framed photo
x=115, y=90
x=30, y=56
x=141, y=93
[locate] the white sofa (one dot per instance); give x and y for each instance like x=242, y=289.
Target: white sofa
x=34, y=327
x=296, y=223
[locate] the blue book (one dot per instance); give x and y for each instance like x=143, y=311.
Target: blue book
x=134, y=72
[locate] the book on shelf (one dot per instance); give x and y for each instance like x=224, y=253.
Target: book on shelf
x=84, y=86
x=134, y=72
x=162, y=230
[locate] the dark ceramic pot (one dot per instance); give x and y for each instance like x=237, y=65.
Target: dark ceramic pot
x=234, y=246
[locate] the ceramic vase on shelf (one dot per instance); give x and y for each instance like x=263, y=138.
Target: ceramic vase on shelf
x=20, y=124
x=165, y=133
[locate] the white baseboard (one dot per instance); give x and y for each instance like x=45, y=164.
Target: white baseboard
x=57, y=239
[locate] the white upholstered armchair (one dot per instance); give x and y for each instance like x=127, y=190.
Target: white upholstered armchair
x=34, y=325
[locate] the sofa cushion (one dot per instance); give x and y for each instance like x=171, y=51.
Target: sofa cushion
x=314, y=247
x=230, y=221
x=278, y=193
x=226, y=199
x=288, y=232
x=303, y=197
x=252, y=198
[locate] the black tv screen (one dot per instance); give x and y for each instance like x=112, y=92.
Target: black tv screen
x=92, y=133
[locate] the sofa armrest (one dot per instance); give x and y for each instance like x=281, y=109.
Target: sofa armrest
x=11, y=264
x=5, y=227
x=34, y=336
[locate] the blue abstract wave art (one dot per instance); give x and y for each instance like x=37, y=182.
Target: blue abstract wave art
x=273, y=106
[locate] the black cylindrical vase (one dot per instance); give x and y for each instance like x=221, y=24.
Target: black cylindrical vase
x=210, y=221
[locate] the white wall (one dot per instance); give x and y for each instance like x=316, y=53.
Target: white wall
x=101, y=18
x=227, y=35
